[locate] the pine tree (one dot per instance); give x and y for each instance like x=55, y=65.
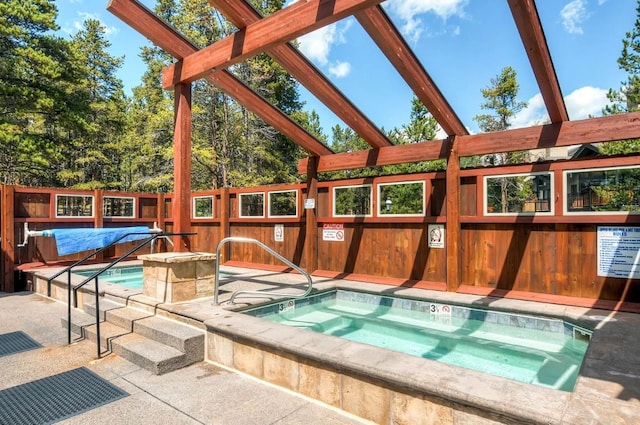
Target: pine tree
x=627, y=99
x=35, y=78
x=501, y=99
x=94, y=151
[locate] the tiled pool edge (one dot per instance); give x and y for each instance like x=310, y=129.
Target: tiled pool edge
x=379, y=385
x=607, y=391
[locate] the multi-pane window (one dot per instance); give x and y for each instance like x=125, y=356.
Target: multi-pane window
x=118, y=206
x=74, y=206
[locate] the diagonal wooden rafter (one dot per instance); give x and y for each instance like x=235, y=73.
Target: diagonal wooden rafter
x=376, y=22
x=567, y=133
x=529, y=26
x=284, y=25
x=148, y=24
x=242, y=14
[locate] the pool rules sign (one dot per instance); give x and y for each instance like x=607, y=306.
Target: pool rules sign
x=333, y=232
x=619, y=251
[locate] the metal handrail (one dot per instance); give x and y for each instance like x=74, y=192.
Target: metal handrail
x=95, y=278
x=259, y=293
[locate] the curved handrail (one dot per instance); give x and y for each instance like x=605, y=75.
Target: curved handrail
x=260, y=293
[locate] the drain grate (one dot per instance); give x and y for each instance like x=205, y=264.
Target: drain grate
x=16, y=342
x=56, y=397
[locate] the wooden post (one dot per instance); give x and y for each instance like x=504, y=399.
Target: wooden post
x=453, y=216
x=311, y=218
x=225, y=230
x=98, y=216
x=181, y=205
x=7, y=233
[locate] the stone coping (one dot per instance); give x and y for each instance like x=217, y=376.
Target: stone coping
x=607, y=390
x=177, y=257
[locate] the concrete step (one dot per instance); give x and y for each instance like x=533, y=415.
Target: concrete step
x=105, y=305
x=108, y=333
x=154, y=343
x=125, y=317
x=150, y=355
x=79, y=321
x=184, y=338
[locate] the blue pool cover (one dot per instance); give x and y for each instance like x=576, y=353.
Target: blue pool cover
x=70, y=241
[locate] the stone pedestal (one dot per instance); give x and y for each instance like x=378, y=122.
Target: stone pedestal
x=173, y=277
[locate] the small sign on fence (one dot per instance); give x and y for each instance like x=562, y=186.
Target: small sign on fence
x=333, y=232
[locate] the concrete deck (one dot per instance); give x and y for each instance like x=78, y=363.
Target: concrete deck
x=199, y=394
x=607, y=391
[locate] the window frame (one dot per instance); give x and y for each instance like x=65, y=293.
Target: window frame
x=133, y=209
x=382, y=203
x=565, y=189
x=333, y=200
x=70, y=195
x=551, y=199
x=295, y=215
x=240, y=197
x=194, y=199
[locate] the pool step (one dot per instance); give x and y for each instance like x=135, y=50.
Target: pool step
x=154, y=343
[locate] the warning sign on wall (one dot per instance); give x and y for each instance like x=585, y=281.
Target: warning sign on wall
x=278, y=233
x=333, y=232
x=436, y=236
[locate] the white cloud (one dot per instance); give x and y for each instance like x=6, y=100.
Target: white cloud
x=534, y=114
x=409, y=10
x=573, y=14
x=586, y=101
x=340, y=69
x=581, y=103
x=317, y=45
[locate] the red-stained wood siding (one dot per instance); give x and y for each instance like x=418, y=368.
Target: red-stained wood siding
x=540, y=255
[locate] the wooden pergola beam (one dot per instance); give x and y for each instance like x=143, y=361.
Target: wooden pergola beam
x=593, y=130
x=242, y=14
x=376, y=22
x=529, y=26
x=284, y=25
x=148, y=24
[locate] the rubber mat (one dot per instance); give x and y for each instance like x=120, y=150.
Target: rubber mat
x=56, y=397
x=16, y=342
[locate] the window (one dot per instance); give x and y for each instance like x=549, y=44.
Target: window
x=118, y=206
x=351, y=201
x=401, y=198
x=523, y=194
x=252, y=205
x=605, y=190
x=74, y=206
x=283, y=204
x=203, y=207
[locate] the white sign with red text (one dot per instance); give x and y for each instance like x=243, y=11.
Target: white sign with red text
x=333, y=232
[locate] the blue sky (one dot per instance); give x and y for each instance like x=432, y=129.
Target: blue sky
x=461, y=43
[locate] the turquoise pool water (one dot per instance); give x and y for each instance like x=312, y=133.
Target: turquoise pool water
x=128, y=276
x=536, y=350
